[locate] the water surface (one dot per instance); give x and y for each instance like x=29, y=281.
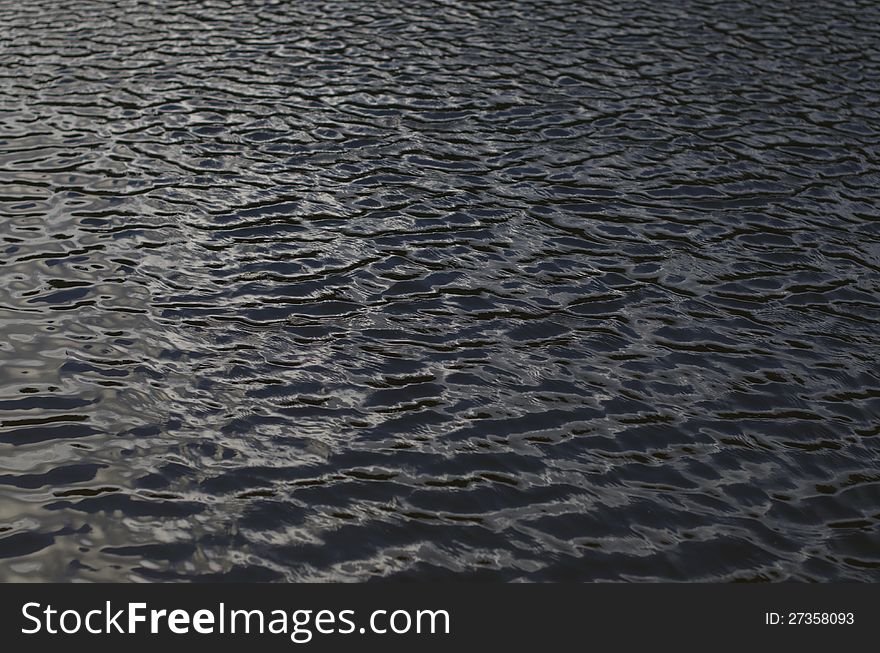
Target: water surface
x=439, y=290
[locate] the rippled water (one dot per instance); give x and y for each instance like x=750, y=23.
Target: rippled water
x=433, y=290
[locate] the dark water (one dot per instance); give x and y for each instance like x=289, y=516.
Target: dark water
x=432, y=290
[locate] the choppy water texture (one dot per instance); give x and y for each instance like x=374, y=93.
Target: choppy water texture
x=439, y=290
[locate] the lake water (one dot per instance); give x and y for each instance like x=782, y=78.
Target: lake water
x=439, y=290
